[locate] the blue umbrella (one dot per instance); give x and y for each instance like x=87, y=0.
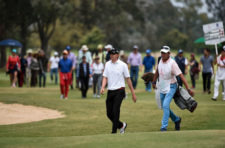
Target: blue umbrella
x=10, y=42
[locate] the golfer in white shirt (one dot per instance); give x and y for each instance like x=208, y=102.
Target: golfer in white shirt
x=114, y=75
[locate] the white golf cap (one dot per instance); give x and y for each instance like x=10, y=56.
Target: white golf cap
x=56, y=53
x=165, y=49
x=108, y=46
x=84, y=47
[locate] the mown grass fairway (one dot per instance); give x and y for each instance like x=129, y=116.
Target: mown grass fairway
x=86, y=124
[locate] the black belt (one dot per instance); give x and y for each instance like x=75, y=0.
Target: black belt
x=121, y=88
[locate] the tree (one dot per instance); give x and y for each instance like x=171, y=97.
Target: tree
x=93, y=38
x=175, y=39
x=25, y=18
x=46, y=13
x=217, y=8
x=7, y=24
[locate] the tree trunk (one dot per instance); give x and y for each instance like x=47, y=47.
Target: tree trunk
x=3, y=57
x=23, y=35
x=2, y=48
x=44, y=46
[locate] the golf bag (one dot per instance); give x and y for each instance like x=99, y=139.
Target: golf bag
x=184, y=100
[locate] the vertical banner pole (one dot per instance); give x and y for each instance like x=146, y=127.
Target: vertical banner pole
x=216, y=49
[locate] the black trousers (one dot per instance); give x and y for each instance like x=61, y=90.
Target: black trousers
x=206, y=81
x=193, y=80
x=84, y=86
x=113, y=103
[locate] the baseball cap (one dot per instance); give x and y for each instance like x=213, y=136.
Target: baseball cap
x=224, y=48
x=148, y=51
x=55, y=53
x=114, y=51
x=14, y=50
x=68, y=47
x=65, y=52
x=135, y=47
x=180, y=51
x=165, y=49
x=108, y=46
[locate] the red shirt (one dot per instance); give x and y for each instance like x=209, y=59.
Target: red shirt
x=12, y=62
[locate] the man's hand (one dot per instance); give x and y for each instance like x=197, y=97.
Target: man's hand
x=102, y=90
x=191, y=92
x=154, y=85
x=134, y=98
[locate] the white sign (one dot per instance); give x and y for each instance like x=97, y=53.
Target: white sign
x=213, y=33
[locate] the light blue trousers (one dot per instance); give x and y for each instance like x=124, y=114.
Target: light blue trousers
x=167, y=112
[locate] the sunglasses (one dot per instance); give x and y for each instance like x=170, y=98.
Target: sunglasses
x=113, y=52
x=165, y=47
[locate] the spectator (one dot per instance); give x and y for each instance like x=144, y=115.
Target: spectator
x=84, y=74
x=134, y=60
x=100, y=53
x=72, y=57
x=123, y=57
x=182, y=63
x=194, y=70
x=65, y=73
x=207, y=70
x=108, y=48
x=34, y=67
x=149, y=63
x=85, y=53
x=43, y=64
x=28, y=70
x=98, y=68
x=22, y=72
x=53, y=66
x=12, y=67
x=220, y=75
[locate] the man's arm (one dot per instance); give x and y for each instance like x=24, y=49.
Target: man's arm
x=49, y=65
x=186, y=84
x=155, y=78
x=131, y=89
x=104, y=82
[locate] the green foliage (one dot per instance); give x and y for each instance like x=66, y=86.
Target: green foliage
x=66, y=34
x=93, y=38
x=176, y=39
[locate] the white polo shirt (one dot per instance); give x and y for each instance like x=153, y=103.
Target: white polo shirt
x=116, y=74
x=98, y=68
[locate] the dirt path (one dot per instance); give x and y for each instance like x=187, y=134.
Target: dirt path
x=17, y=113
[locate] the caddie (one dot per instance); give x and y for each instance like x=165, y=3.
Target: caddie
x=166, y=71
